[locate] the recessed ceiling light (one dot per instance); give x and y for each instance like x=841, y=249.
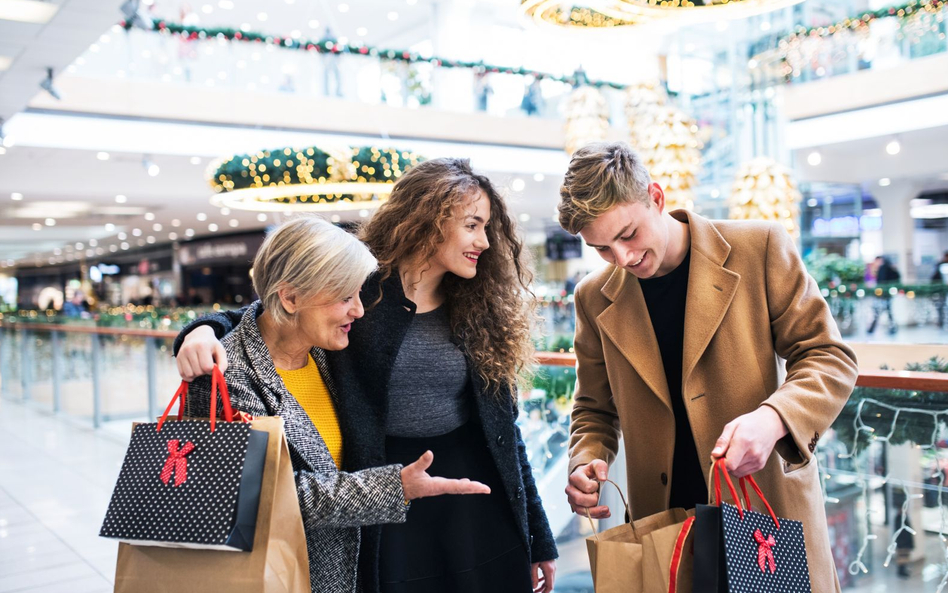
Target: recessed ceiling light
x=814, y=158
x=175, y=222
x=765, y=26
x=343, y=7
x=393, y=16
x=313, y=24
x=102, y=156
x=262, y=217
x=50, y=222
x=524, y=217
x=233, y=222
x=225, y=5
x=153, y=170
x=207, y=9
x=121, y=199
x=885, y=182
x=109, y=226
x=124, y=245
x=539, y=177
x=212, y=227
x=201, y=216
x=189, y=232
x=363, y=213
x=336, y=218
x=16, y=196
x=149, y=216
x=5, y=62
x=893, y=147
x=261, y=16
x=517, y=184
x=151, y=239
x=122, y=236
x=156, y=227
x=362, y=31
x=172, y=236
x=37, y=226
x=136, y=232
x=93, y=242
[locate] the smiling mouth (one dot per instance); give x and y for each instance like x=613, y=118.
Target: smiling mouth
x=345, y=328
x=472, y=256
x=634, y=264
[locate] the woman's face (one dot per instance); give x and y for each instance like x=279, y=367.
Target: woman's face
x=326, y=324
x=465, y=237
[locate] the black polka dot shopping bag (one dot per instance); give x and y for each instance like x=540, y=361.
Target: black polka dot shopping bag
x=208, y=505
x=738, y=550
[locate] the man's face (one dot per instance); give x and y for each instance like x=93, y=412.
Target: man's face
x=631, y=236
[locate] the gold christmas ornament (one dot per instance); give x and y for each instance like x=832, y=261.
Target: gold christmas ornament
x=764, y=190
x=587, y=118
x=667, y=140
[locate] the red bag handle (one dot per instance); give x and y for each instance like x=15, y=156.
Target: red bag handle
x=720, y=466
x=218, y=383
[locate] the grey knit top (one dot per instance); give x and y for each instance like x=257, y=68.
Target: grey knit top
x=428, y=390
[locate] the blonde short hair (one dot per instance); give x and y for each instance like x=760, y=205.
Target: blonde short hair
x=601, y=175
x=312, y=256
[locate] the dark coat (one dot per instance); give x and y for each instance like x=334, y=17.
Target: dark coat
x=362, y=372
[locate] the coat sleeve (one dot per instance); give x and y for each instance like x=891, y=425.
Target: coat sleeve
x=327, y=498
x=821, y=368
x=542, y=544
x=222, y=323
x=594, y=425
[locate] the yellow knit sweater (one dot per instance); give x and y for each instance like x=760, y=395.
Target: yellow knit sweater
x=307, y=386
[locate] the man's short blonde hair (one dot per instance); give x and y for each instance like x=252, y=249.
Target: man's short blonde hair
x=601, y=175
x=312, y=256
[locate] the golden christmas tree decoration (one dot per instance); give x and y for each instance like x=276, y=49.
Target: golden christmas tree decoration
x=667, y=140
x=764, y=190
x=587, y=118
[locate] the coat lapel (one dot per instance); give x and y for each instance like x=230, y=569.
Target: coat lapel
x=627, y=324
x=711, y=287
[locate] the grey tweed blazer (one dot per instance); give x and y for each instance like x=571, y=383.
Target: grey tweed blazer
x=334, y=504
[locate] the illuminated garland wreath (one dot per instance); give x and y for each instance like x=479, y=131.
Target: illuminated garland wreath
x=313, y=178
x=622, y=13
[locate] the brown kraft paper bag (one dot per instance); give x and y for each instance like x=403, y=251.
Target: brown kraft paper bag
x=617, y=556
x=669, y=549
x=277, y=564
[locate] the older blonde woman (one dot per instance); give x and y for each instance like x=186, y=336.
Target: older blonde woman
x=308, y=274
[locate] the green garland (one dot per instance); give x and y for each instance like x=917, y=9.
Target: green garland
x=332, y=46
x=863, y=19
x=311, y=166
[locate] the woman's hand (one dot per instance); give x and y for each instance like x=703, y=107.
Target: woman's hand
x=199, y=353
x=418, y=484
x=543, y=584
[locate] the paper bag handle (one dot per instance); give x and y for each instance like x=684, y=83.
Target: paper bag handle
x=217, y=384
x=625, y=503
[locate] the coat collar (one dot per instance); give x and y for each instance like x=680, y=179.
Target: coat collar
x=276, y=398
x=711, y=288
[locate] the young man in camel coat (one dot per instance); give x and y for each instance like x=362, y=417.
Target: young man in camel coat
x=677, y=344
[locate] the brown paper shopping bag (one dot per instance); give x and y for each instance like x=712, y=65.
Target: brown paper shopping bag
x=617, y=556
x=278, y=562
x=668, y=555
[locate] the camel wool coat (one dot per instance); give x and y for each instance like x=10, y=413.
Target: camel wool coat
x=749, y=300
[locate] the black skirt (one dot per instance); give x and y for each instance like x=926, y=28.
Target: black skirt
x=458, y=543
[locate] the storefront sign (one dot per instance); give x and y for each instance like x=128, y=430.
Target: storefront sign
x=241, y=249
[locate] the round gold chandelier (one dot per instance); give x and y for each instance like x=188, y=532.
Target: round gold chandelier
x=600, y=14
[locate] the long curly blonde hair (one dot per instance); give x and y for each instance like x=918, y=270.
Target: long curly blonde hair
x=493, y=313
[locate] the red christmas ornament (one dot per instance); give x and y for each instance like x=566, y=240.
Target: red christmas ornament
x=237, y=35
x=363, y=50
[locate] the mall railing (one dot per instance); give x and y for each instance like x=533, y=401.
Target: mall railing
x=881, y=459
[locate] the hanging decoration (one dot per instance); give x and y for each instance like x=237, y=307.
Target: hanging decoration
x=587, y=118
x=333, y=46
x=623, y=13
x=313, y=178
x=764, y=190
x=667, y=140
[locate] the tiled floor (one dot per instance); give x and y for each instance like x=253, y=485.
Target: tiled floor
x=56, y=478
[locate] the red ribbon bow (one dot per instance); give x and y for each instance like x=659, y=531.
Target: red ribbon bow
x=176, y=462
x=765, y=554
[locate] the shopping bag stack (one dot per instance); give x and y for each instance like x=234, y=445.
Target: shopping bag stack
x=207, y=505
x=738, y=549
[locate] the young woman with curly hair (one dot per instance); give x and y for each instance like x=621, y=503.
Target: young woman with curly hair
x=434, y=365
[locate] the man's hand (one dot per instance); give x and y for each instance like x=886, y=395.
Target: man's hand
x=199, y=353
x=747, y=441
x=583, y=489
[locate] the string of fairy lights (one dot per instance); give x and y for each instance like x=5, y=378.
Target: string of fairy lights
x=863, y=431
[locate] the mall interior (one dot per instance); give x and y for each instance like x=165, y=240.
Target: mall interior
x=126, y=212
